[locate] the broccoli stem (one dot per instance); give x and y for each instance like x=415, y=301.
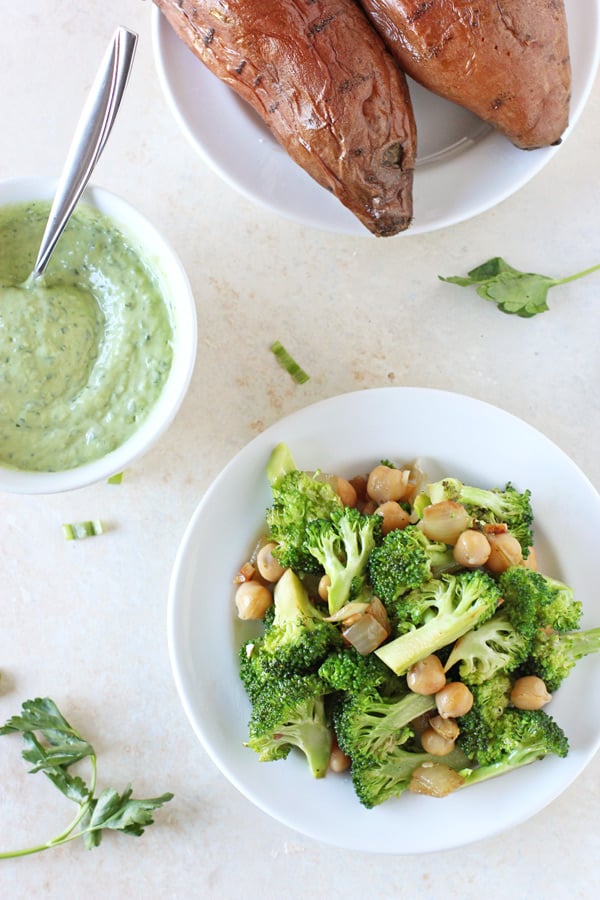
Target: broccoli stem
x=578, y=644
x=280, y=463
x=315, y=741
x=407, y=649
x=515, y=760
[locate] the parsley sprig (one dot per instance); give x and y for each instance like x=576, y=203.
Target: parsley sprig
x=519, y=293
x=52, y=746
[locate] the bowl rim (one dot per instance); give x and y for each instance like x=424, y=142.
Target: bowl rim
x=145, y=237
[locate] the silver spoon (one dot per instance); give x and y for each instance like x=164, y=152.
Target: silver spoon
x=91, y=134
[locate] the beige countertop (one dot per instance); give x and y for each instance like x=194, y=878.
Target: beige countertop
x=85, y=623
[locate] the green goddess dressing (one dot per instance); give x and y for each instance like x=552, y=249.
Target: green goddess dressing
x=84, y=351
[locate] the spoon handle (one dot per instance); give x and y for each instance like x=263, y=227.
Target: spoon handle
x=91, y=134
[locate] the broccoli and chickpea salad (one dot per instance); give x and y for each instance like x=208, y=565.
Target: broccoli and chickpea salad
x=407, y=635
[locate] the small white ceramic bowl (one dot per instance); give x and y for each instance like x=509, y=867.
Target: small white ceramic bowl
x=177, y=292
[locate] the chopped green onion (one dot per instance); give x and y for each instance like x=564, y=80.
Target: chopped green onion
x=76, y=531
x=289, y=363
x=117, y=478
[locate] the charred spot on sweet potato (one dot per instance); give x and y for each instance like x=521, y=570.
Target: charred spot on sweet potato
x=420, y=11
x=317, y=27
x=393, y=156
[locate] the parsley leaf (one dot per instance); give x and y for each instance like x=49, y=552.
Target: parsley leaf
x=52, y=745
x=121, y=812
x=518, y=293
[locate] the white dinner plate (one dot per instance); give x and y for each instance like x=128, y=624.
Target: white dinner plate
x=452, y=435
x=463, y=166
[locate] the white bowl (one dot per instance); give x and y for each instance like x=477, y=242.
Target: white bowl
x=176, y=290
x=452, y=435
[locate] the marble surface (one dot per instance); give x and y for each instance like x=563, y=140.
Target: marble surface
x=84, y=622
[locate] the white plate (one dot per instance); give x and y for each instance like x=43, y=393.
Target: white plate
x=452, y=434
x=463, y=167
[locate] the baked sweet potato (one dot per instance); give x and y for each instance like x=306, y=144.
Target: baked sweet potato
x=322, y=79
x=505, y=60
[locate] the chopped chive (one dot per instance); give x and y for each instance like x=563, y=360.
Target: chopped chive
x=76, y=531
x=117, y=478
x=289, y=363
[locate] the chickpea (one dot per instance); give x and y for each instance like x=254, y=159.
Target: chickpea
x=435, y=743
x=252, y=600
x=345, y=491
x=393, y=516
x=529, y=692
x=455, y=699
x=323, y=588
x=530, y=561
x=505, y=552
x=359, y=483
x=419, y=724
x=448, y=728
x=426, y=676
x=444, y=521
x=267, y=564
x=471, y=549
x=385, y=483
x=338, y=761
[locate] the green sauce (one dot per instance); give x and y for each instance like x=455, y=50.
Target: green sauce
x=86, y=350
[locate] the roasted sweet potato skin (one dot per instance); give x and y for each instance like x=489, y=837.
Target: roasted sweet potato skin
x=505, y=60
x=322, y=79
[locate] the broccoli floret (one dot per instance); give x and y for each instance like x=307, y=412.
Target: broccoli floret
x=495, y=646
x=298, y=497
x=296, y=638
x=492, y=506
x=268, y=617
x=405, y=559
x=492, y=697
x=555, y=654
x=441, y=611
x=561, y=611
x=492, y=728
x=553, y=603
x=502, y=643
x=376, y=733
x=514, y=739
x=348, y=670
x=342, y=545
x=252, y=671
x=367, y=724
x=290, y=712
x=490, y=700
x=377, y=779
x=520, y=606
